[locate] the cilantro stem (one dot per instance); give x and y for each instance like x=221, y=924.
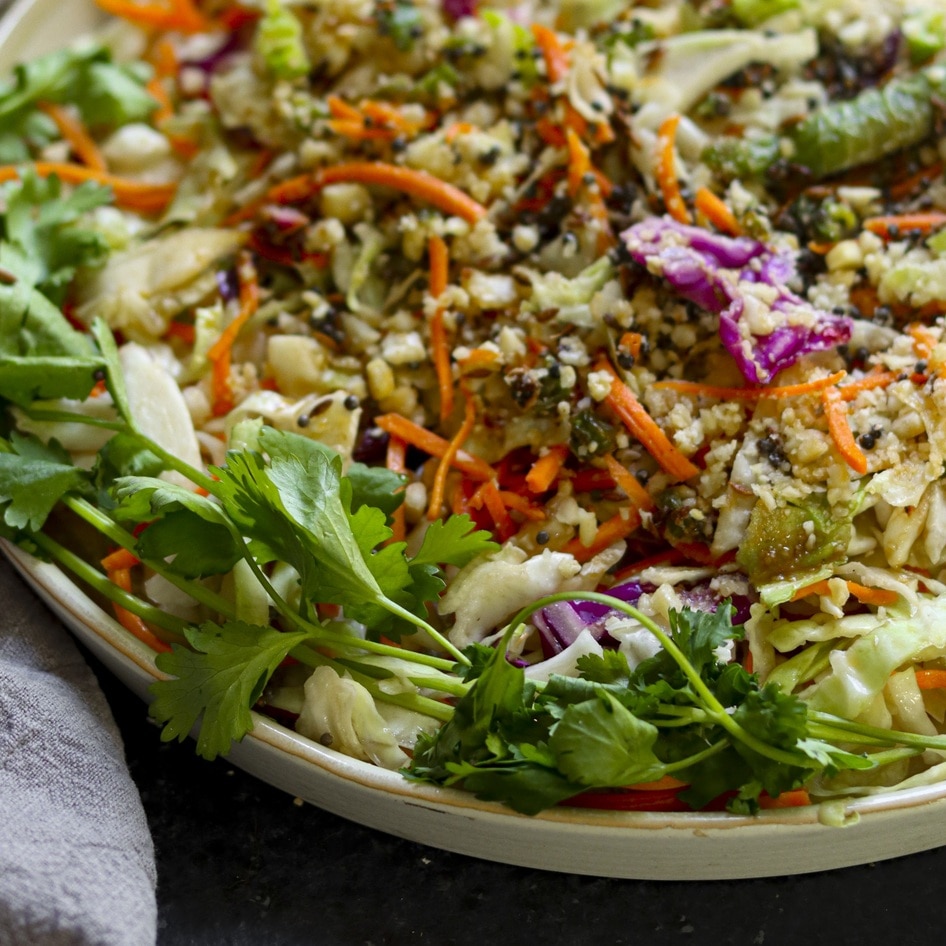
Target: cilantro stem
x=432, y=632
x=174, y=626
x=696, y=758
x=109, y=528
x=454, y=687
x=874, y=735
x=74, y=417
x=172, y=462
x=324, y=636
x=715, y=710
x=411, y=701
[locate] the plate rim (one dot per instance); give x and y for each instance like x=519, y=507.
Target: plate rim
x=433, y=813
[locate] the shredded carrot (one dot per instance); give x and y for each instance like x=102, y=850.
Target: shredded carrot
x=439, y=266
x=146, y=198
x=881, y=597
x=931, y=679
x=131, y=622
x=893, y=225
x=439, y=276
x=579, y=162
x=840, y=429
x=180, y=15
x=545, y=471
x=479, y=360
x=417, y=184
x=666, y=170
x=794, y=798
x=924, y=339
x=76, y=135
x=751, y=394
x=716, y=212
x=339, y=108
x=632, y=486
x=431, y=443
x=390, y=115
x=632, y=342
x=553, y=52
x=219, y=353
x=120, y=558
x=622, y=400
x=521, y=504
x=455, y=129
x=488, y=493
x=612, y=530
x=359, y=131
x=876, y=379
x=443, y=468
x=395, y=460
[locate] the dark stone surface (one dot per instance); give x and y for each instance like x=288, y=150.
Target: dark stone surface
x=241, y=863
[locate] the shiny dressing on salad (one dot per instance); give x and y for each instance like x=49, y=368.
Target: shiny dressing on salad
x=540, y=399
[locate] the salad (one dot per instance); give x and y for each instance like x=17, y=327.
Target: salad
x=541, y=399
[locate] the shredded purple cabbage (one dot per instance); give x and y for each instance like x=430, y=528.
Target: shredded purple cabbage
x=762, y=323
x=457, y=9
x=560, y=624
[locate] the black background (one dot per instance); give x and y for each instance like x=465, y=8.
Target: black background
x=240, y=862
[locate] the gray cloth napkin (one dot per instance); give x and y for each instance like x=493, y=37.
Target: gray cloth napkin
x=76, y=857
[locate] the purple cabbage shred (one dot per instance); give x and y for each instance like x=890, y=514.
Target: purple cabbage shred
x=763, y=324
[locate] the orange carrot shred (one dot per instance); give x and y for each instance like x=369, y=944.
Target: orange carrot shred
x=146, y=198
x=431, y=443
x=627, y=481
x=840, y=430
x=622, y=400
x=924, y=339
x=76, y=135
x=931, y=679
x=219, y=353
x=439, y=275
x=438, y=490
x=881, y=597
x=418, y=184
x=612, y=530
x=887, y=226
x=131, y=622
x=579, y=162
x=120, y=558
x=751, y=394
x=716, y=212
x=179, y=15
x=793, y=798
x=553, y=52
x=545, y=470
x=666, y=171
x=395, y=460
x=876, y=379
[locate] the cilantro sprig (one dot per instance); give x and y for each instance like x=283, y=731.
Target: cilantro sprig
x=682, y=712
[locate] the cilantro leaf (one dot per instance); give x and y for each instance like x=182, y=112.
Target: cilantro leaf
x=600, y=742
x=193, y=547
x=33, y=477
x=106, y=93
x=453, y=541
x=217, y=682
x=43, y=244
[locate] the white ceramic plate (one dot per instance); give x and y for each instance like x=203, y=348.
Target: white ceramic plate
x=687, y=846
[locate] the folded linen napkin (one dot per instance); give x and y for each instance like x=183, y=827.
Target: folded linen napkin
x=76, y=857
